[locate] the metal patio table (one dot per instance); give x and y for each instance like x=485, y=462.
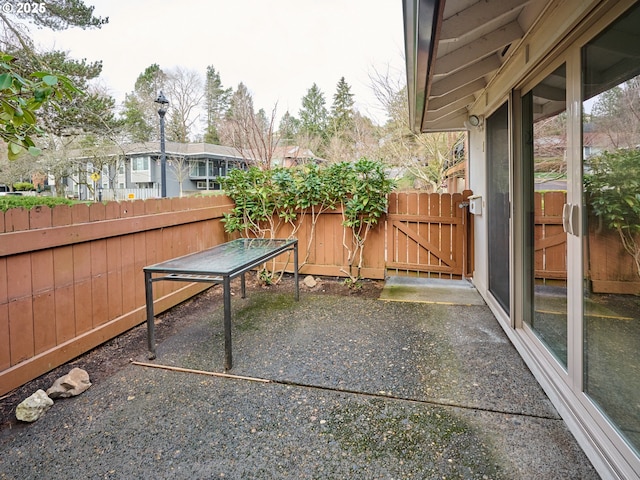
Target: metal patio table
x=218, y=265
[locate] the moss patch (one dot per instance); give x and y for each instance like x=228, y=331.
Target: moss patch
x=441, y=444
x=248, y=317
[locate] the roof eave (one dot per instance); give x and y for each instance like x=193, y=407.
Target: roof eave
x=422, y=21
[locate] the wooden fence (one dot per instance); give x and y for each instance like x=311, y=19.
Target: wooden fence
x=429, y=235
x=550, y=256
x=324, y=242
x=611, y=269
x=607, y=265
x=71, y=277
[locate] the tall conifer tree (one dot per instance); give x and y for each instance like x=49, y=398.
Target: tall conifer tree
x=216, y=104
x=313, y=114
x=342, y=113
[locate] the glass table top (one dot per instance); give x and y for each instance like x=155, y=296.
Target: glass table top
x=225, y=259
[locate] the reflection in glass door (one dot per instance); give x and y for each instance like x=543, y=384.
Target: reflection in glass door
x=611, y=180
x=545, y=120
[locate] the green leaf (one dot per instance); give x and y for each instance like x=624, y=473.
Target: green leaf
x=15, y=149
x=29, y=117
x=40, y=95
x=50, y=80
x=8, y=109
x=35, y=151
x=6, y=81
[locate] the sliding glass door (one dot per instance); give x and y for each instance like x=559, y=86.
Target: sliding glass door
x=611, y=186
x=498, y=205
x=545, y=158
x=580, y=122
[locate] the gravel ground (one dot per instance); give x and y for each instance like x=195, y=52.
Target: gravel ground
x=357, y=388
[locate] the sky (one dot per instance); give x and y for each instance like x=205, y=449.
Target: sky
x=277, y=48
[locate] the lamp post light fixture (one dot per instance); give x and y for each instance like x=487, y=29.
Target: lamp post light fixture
x=163, y=102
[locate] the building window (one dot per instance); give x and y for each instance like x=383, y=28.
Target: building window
x=197, y=168
x=139, y=164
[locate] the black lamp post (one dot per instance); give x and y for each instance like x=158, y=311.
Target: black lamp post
x=163, y=102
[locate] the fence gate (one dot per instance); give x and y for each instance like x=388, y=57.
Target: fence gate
x=429, y=235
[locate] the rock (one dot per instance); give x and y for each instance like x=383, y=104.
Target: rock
x=32, y=408
x=309, y=281
x=73, y=383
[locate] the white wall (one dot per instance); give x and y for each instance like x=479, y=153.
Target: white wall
x=478, y=184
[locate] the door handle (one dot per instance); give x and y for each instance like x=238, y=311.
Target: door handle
x=571, y=219
x=566, y=215
x=574, y=220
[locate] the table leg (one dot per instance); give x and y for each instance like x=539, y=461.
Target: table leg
x=243, y=286
x=151, y=334
x=295, y=270
x=228, y=361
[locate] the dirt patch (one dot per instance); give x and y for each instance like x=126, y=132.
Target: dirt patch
x=110, y=357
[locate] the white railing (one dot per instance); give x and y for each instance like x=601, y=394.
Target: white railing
x=130, y=193
x=117, y=194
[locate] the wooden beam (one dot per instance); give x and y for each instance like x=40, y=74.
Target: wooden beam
x=444, y=84
x=452, y=97
x=478, y=49
x=477, y=16
x=426, y=244
x=453, y=105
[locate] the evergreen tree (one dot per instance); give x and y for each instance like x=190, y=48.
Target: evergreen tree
x=239, y=119
x=73, y=111
x=313, y=114
x=56, y=15
x=241, y=103
x=140, y=110
x=342, y=112
x=289, y=127
x=137, y=127
x=216, y=101
x=92, y=112
x=262, y=122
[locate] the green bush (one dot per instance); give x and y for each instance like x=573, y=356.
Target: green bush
x=16, y=201
x=23, y=187
x=267, y=199
x=612, y=187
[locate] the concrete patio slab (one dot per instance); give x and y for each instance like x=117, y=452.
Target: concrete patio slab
x=357, y=388
x=430, y=290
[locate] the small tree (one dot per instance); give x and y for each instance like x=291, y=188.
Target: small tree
x=316, y=194
x=186, y=91
x=15, y=171
x=255, y=200
x=364, y=188
x=96, y=158
x=613, y=193
x=264, y=200
x=180, y=167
